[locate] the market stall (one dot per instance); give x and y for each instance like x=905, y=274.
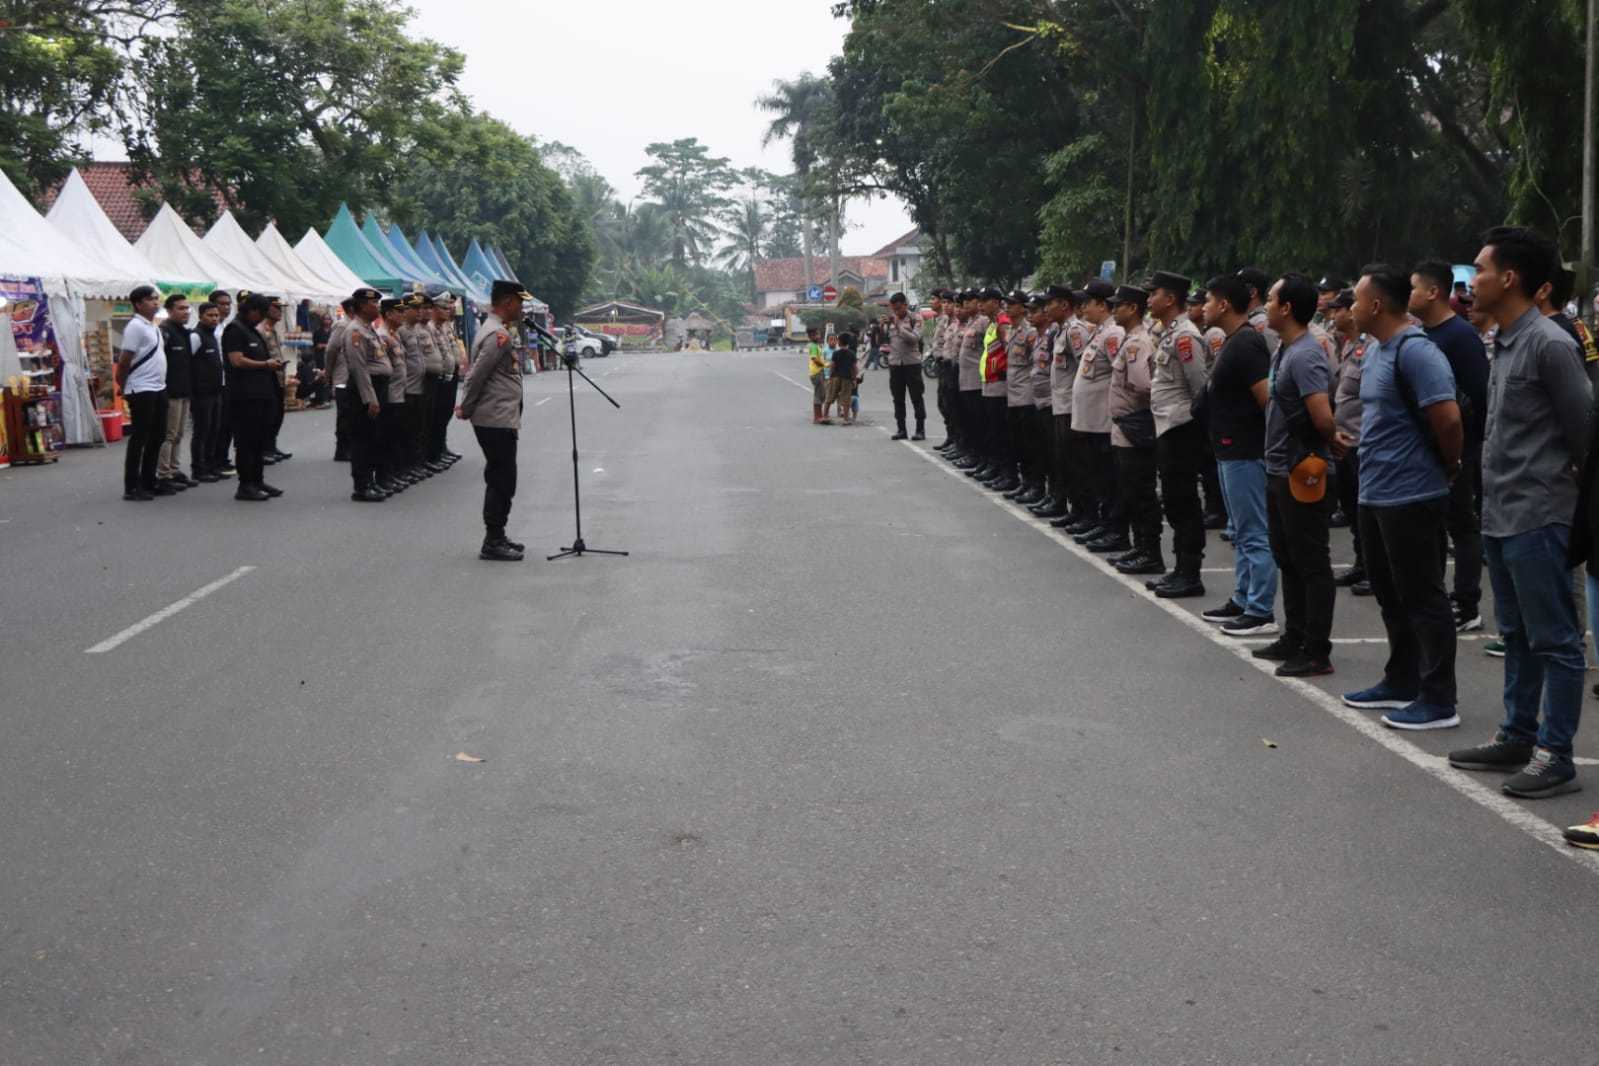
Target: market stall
x=314, y=251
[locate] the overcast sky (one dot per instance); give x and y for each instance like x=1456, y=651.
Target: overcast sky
x=610, y=76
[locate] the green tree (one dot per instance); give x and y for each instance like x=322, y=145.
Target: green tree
x=476, y=178
x=286, y=106
x=690, y=186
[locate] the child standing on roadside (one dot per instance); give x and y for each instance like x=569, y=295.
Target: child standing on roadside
x=842, y=386
x=818, y=367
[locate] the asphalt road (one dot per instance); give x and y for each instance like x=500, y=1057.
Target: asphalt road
x=845, y=764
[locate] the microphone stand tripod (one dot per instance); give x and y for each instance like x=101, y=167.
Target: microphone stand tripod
x=577, y=547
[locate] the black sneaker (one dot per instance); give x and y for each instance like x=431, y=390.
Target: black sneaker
x=1303, y=665
x=1250, y=625
x=1467, y=619
x=1501, y=753
x=1545, y=775
x=1225, y=613
x=499, y=551
x=1278, y=651
x=137, y=496
x=1349, y=578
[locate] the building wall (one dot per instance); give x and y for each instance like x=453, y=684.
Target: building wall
x=779, y=297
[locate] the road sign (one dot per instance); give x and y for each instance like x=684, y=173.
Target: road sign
x=829, y=294
x=1107, y=270
x=813, y=294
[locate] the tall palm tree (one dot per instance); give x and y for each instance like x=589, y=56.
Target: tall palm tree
x=746, y=225
x=798, y=109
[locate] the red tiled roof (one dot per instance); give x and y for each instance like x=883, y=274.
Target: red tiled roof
x=910, y=238
x=788, y=275
x=110, y=186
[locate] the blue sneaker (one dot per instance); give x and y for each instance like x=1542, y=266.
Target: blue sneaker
x=1379, y=697
x=1418, y=716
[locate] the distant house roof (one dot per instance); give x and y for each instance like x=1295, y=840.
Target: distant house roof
x=788, y=275
x=115, y=193
x=624, y=311
x=912, y=238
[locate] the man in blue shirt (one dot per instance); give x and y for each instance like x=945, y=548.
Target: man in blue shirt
x=1410, y=442
x=1468, y=361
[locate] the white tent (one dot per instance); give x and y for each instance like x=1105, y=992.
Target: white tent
x=228, y=239
x=30, y=247
x=171, y=245
x=276, y=249
x=79, y=215
x=314, y=251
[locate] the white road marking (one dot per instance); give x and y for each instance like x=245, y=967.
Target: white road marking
x=166, y=612
x=1435, y=766
x=791, y=381
x=544, y=401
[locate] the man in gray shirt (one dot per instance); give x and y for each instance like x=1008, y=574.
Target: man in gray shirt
x=1536, y=440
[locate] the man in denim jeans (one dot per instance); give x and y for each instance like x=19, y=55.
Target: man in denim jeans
x=1538, y=397
x=1235, y=404
x=1410, y=442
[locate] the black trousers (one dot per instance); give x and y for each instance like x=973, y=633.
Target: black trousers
x=225, y=429
x=1405, y=564
x=1180, y=456
x=1096, y=477
x=274, y=421
x=1062, y=473
x=416, y=426
x=148, y=413
x=391, y=437
x=1348, y=485
x=251, y=418
x=1019, y=430
x=900, y=380
x=1298, y=533
x=998, y=432
x=342, y=410
x=439, y=419
x=499, y=476
x=207, y=414
x=949, y=399
x=971, y=408
x=1463, y=521
x=365, y=437
x=1135, y=477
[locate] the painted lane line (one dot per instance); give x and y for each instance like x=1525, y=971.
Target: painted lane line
x=791, y=381
x=164, y=613
x=1435, y=766
x=544, y=401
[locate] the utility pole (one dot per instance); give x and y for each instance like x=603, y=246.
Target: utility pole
x=1585, y=267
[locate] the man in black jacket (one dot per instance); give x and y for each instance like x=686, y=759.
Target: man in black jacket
x=179, y=342
x=205, y=400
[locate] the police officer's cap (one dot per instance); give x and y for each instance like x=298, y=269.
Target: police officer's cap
x=1016, y=296
x=1345, y=298
x=1331, y=283
x=361, y=296
x=1196, y=297
x=1130, y=294
x=990, y=293
x=444, y=300
x=1038, y=300
x=501, y=289
x=1172, y=282
x=1099, y=289
x=1255, y=278
x=964, y=295
x=1061, y=292
x=391, y=304
x=416, y=299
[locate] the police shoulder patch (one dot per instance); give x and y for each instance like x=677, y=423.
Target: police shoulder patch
x=1185, y=349
x=1111, y=344
x=503, y=337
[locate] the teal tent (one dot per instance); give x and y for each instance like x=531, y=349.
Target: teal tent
x=478, y=267
x=505, y=264
x=429, y=254
x=407, y=258
x=385, y=252
x=476, y=293
x=357, y=253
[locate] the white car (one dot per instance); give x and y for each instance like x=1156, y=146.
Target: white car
x=586, y=345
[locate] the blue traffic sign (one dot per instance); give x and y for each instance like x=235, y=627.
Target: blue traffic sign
x=814, y=294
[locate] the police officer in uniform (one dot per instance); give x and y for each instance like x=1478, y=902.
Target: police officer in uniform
x=1259, y=284
x=1132, y=434
x=1019, y=340
x=1091, y=422
x=943, y=314
x=441, y=378
x=969, y=357
x=339, y=378
x=1177, y=381
x=1042, y=422
x=492, y=402
x=413, y=411
x=1068, y=505
x=1209, y=475
x=1001, y=472
x=269, y=333
x=393, y=477
x=366, y=365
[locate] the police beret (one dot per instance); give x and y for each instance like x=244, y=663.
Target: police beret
x=1331, y=283
x=1171, y=282
x=1016, y=296
x=1099, y=289
x=1061, y=292
x=502, y=289
x=1130, y=294
x=361, y=296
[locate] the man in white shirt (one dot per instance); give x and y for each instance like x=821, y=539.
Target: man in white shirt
x=142, y=372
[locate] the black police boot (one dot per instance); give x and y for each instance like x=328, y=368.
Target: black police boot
x=1149, y=561
x=1093, y=532
x=1007, y=483
x=1109, y=541
x=899, y=434
x=1183, y=582
x=1137, y=551
x=497, y=549
x=1077, y=525
x=368, y=495
x=921, y=432
x=1042, y=505
x=1034, y=493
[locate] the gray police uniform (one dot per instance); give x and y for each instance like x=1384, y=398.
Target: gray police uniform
x=492, y=402
x=1178, y=378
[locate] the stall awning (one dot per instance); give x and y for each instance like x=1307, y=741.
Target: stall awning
x=79, y=215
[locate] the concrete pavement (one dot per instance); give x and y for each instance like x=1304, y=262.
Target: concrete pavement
x=845, y=764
